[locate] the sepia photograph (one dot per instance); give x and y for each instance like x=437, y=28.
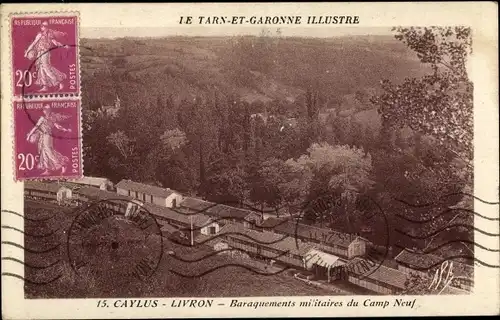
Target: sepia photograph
x=269, y=164
x=250, y=160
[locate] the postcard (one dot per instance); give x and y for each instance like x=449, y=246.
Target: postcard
x=177, y=160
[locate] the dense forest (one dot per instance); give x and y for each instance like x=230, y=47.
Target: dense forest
x=274, y=122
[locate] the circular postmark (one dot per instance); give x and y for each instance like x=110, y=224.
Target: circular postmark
x=113, y=239
x=353, y=227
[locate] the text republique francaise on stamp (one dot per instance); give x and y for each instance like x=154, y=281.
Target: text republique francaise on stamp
x=46, y=89
x=45, y=55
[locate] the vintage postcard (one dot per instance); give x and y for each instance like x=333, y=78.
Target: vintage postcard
x=249, y=160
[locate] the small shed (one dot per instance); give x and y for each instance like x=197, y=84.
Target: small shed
x=322, y=262
x=164, y=197
x=96, y=182
x=47, y=191
x=64, y=194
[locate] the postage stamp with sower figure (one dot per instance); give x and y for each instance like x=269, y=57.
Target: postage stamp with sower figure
x=45, y=55
x=47, y=142
x=46, y=88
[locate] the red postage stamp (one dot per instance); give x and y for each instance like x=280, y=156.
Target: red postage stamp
x=47, y=139
x=45, y=56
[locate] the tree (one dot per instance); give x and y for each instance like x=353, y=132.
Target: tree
x=173, y=139
x=439, y=104
x=399, y=140
x=122, y=142
x=264, y=186
x=197, y=120
x=349, y=167
x=228, y=186
x=296, y=185
x=95, y=130
x=342, y=129
x=358, y=132
x=175, y=172
x=341, y=170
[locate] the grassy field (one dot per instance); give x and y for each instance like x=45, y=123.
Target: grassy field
x=165, y=282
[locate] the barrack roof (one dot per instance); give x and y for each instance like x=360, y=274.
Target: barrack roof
x=146, y=189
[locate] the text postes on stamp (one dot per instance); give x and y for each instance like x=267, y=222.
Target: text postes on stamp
x=45, y=55
x=47, y=139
